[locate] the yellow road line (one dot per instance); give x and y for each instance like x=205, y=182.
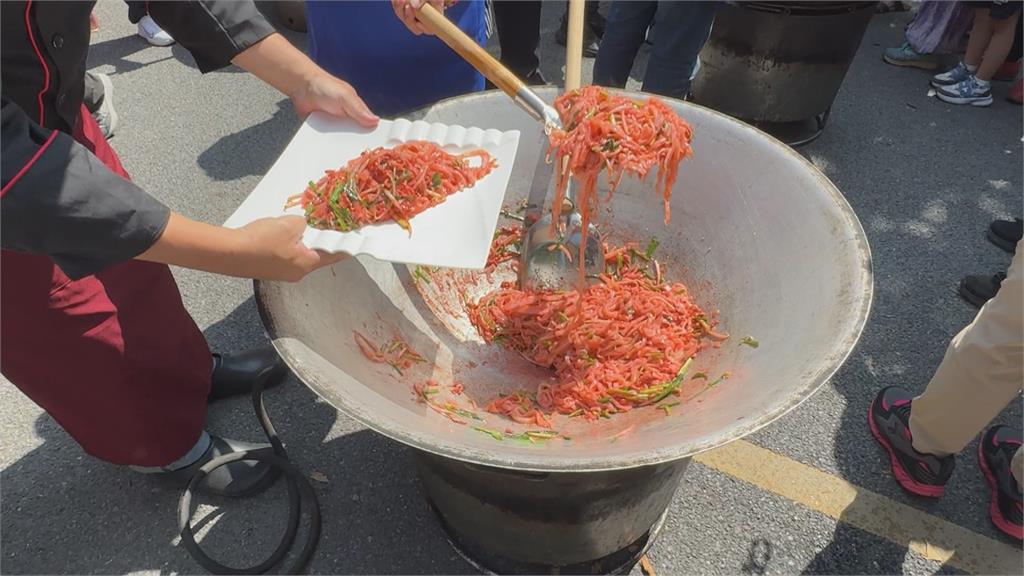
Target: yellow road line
x=925, y=534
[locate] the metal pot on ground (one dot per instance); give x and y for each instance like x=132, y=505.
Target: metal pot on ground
x=779, y=65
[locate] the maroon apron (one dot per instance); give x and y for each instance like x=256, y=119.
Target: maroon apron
x=114, y=358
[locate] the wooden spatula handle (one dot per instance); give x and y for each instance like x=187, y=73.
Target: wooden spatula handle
x=574, y=45
x=472, y=52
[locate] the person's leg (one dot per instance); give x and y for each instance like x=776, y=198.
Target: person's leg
x=136, y=10
x=1010, y=69
x=980, y=374
x=981, y=33
x=676, y=44
x=114, y=358
x=999, y=45
x=963, y=84
x=1017, y=49
x=593, y=28
x=518, y=25
x=628, y=21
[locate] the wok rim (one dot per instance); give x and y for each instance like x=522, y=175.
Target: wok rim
x=289, y=349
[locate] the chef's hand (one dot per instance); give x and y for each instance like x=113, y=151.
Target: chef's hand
x=275, y=61
x=266, y=249
x=407, y=11
x=334, y=96
x=276, y=251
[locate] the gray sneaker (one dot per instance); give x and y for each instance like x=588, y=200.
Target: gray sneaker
x=105, y=115
x=906, y=56
x=954, y=76
x=969, y=91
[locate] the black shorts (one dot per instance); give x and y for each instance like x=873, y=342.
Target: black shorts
x=998, y=10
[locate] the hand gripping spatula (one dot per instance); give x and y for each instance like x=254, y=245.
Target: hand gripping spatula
x=550, y=254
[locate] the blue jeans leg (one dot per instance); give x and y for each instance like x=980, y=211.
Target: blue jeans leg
x=627, y=24
x=680, y=31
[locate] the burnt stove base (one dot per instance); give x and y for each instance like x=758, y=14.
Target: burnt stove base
x=518, y=522
x=620, y=562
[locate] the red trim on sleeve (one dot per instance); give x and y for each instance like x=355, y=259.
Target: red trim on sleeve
x=42, y=61
x=46, y=144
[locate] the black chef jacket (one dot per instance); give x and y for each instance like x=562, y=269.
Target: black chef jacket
x=58, y=199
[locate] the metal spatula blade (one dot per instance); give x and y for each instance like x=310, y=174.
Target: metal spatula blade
x=550, y=254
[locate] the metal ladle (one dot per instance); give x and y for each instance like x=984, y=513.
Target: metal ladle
x=549, y=254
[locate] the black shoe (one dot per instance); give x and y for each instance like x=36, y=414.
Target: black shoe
x=234, y=374
x=534, y=78
x=995, y=452
x=235, y=480
x=917, y=473
x=591, y=39
x=980, y=289
x=1006, y=234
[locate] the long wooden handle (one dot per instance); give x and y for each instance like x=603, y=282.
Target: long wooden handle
x=574, y=45
x=472, y=52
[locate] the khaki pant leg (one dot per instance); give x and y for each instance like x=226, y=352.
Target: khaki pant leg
x=981, y=373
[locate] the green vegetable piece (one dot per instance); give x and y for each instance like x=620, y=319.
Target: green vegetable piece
x=674, y=383
x=435, y=180
x=465, y=413
x=651, y=247
x=335, y=195
x=421, y=274
x=724, y=376
x=492, y=433
x=749, y=341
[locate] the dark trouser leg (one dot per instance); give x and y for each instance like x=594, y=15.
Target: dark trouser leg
x=518, y=24
x=1018, y=43
x=627, y=23
x=681, y=31
x=136, y=10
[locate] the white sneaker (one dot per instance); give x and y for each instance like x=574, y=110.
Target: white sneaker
x=153, y=33
x=969, y=91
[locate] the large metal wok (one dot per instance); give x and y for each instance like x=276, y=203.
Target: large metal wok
x=757, y=232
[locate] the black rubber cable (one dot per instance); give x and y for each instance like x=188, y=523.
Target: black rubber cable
x=299, y=489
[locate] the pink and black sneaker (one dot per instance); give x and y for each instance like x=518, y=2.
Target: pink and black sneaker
x=995, y=452
x=918, y=473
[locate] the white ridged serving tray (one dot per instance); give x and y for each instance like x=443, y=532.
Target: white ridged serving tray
x=455, y=234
